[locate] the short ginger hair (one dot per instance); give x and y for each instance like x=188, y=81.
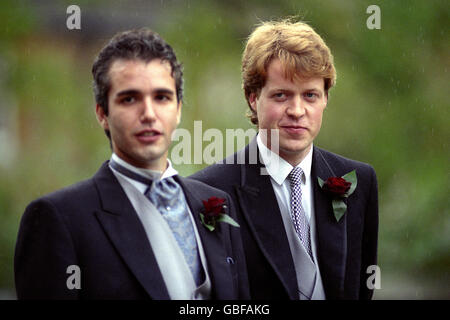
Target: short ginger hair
x=302, y=53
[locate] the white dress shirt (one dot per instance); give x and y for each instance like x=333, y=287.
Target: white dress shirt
x=279, y=171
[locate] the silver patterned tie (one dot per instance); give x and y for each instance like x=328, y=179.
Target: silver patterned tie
x=168, y=198
x=301, y=224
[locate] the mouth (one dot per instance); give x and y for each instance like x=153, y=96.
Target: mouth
x=294, y=129
x=148, y=135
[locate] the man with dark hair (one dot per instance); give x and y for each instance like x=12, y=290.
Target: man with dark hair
x=135, y=230
x=309, y=225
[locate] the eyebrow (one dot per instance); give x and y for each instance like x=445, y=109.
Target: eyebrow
x=279, y=89
x=287, y=91
x=127, y=93
x=131, y=92
x=313, y=89
x=164, y=91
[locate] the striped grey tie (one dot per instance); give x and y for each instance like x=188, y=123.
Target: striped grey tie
x=301, y=224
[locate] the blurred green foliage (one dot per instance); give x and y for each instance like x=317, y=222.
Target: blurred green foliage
x=388, y=107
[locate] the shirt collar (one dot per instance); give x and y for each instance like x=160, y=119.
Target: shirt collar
x=152, y=174
x=279, y=168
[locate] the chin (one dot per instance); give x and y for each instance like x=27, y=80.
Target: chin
x=294, y=149
x=147, y=157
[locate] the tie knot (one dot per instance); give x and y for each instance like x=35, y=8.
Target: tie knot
x=296, y=176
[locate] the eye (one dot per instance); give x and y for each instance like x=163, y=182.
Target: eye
x=279, y=96
x=162, y=97
x=128, y=100
x=311, y=95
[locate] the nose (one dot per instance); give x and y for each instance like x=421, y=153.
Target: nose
x=296, y=108
x=148, y=112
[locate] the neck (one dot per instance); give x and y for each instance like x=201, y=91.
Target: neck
x=159, y=164
x=292, y=157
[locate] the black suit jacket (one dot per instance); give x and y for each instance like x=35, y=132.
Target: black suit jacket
x=345, y=248
x=93, y=225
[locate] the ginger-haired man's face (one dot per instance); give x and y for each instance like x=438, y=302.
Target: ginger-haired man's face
x=294, y=108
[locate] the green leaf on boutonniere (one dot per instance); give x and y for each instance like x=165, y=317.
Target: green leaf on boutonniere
x=339, y=208
x=210, y=227
x=227, y=219
x=321, y=182
x=351, y=177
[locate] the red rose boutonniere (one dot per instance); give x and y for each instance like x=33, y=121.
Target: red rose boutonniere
x=213, y=212
x=339, y=188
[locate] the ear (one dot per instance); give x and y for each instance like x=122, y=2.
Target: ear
x=325, y=97
x=180, y=104
x=102, y=118
x=252, y=100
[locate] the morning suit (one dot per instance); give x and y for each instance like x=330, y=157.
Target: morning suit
x=344, y=249
x=94, y=225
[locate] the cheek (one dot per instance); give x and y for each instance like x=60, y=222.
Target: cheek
x=114, y=123
x=119, y=125
x=317, y=118
x=270, y=114
x=170, y=121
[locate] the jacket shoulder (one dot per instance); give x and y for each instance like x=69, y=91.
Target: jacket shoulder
x=65, y=200
x=73, y=193
x=342, y=163
x=219, y=175
x=200, y=187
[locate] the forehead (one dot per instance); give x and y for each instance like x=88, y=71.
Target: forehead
x=140, y=75
x=277, y=77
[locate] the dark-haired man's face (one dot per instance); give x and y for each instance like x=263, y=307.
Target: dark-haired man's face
x=294, y=108
x=143, y=112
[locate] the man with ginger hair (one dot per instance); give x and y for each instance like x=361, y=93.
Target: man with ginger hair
x=309, y=221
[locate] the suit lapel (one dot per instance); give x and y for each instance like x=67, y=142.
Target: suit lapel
x=331, y=235
x=259, y=205
x=125, y=230
x=212, y=241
